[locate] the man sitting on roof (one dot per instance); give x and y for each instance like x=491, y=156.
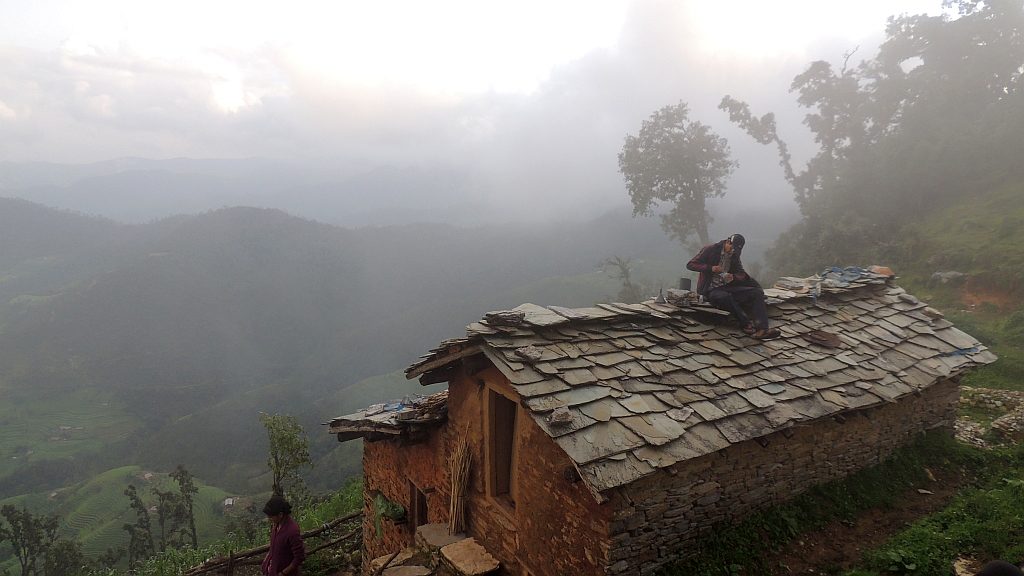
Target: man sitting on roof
x=726, y=285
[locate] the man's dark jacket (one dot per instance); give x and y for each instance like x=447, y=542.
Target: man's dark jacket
x=711, y=256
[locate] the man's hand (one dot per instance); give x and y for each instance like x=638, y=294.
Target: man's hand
x=716, y=269
x=727, y=277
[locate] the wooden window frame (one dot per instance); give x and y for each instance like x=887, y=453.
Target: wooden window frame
x=415, y=518
x=505, y=501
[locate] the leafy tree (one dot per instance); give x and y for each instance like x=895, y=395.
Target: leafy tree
x=836, y=121
x=65, y=558
x=935, y=115
x=289, y=452
x=109, y=559
x=677, y=161
x=140, y=534
x=250, y=524
x=623, y=267
x=31, y=537
x=187, y=489
x=167, y=504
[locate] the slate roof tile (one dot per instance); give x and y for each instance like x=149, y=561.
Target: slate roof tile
x=685, y=396
x=757, y=398
x=579, y=421
x=643, y=403
x=733, y=404
x=541, y=388
x=604, y=409
x=572, y=363
x=601, y=439
x=578, y=377
x=740, y=427
x=708, y=410
x=609, y=473
x=610, y=359
x=656, y=429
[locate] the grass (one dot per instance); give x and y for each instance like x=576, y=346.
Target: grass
x=982, y=235
x=743, y=548
x=985, y=522
x=94, y=512
x=980, y=414
x=60, y=425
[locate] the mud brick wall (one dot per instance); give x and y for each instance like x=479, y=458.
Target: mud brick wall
x=557, y=526
x=657, y=518
x=562, y=527
x=388, y=467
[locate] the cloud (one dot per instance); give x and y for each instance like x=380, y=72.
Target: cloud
x=549, y=152
x=6, y=112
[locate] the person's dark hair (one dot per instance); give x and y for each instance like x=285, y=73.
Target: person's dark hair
x=277, y=505
x=1000, y=568
x=737, y=241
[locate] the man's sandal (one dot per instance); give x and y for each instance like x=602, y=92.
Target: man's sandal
x=768, y=334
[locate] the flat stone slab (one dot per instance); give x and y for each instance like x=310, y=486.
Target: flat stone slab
x=403, y=557
x=408, y=571
x=468, y=558
x=435, y=536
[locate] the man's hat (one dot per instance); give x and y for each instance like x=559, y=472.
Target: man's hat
x=737, y=241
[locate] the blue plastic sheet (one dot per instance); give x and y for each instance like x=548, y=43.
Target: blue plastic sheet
x=842, y=277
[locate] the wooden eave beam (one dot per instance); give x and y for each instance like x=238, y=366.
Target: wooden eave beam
x=346, y=427
x=450, y=355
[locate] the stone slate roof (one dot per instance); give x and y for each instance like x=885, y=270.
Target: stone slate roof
x=626, y=389
x=392, y=419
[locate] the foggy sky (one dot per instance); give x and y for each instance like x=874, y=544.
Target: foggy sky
x=537, y=139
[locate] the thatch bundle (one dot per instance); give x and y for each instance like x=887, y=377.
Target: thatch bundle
x=458, y=463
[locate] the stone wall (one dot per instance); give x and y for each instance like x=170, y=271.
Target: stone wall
x=657, y=518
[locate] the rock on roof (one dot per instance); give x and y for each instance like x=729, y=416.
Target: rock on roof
x=626, y=389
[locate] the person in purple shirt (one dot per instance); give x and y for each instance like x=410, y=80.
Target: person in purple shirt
x=286, y=548
x=726, y=285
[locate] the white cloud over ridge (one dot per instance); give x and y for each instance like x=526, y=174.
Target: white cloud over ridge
x=221, y=80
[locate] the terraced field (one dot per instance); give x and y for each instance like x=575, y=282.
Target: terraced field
x=64, y=424
x=94, y=512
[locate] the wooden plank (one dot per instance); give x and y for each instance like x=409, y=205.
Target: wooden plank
x=438, y=361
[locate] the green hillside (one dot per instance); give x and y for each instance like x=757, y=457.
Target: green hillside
x=82, y=420
x=94, y=512
x=981, y=235
x=983, y=238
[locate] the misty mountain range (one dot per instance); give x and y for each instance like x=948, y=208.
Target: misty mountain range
x=136, y=190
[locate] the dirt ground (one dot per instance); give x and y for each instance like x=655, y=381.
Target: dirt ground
x=838, y=546
x=972, y=297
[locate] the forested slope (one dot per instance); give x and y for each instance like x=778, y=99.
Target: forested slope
x=179, y=332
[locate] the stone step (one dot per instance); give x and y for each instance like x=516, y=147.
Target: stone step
x=406, y=556
x=407, y=571
x=433, y=537
x=467, y=558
